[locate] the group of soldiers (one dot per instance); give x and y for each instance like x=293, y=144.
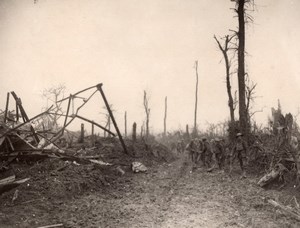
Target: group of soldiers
x=216, y=152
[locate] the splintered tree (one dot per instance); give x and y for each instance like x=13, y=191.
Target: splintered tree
x=225, y=49
x=142, y=130
x=241, y=65
x=165, y=116
x=187, y=133
x=195, y=131
x=147, y=112
x=134, y=132
x=243, y=17
x=241, y=6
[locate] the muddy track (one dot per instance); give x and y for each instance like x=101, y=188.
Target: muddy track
x=152, y=194
x=179, y=171
x=183, y=197
x=168, y=195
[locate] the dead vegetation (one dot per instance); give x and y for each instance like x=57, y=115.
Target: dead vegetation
x=44, y=165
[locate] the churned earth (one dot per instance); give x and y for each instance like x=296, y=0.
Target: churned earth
x=170, y=194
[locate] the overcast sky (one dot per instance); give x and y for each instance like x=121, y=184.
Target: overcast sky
x=136, y=45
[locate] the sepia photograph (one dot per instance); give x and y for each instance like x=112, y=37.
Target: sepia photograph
x=149, y=113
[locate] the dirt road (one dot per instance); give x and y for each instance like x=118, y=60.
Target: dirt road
x=168, y=195
x=176, y=195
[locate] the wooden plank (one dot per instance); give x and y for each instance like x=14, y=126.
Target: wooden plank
x=21, y=181
x=6, y=180
x=8, y=186
x=51, y=226
x=99, y=162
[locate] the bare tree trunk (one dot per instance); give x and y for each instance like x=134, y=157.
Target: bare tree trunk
x=125, y=117
x=142, y=131
x=196, y=100
x=108, y=124
x=165, y=118
x=134, y=132
x=227, y=65
x=81, y=139
x=187, y=131
x=147, y=111
x=93, y=135
x=241, y=67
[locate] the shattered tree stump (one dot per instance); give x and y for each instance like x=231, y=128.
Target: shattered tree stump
x=81, y=139
x=134, y=132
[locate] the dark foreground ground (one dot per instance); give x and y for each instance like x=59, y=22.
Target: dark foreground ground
x=170, y=194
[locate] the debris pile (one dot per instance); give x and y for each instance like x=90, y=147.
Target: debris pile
x=32, y=139
x=43, y=164
x=21, y=135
